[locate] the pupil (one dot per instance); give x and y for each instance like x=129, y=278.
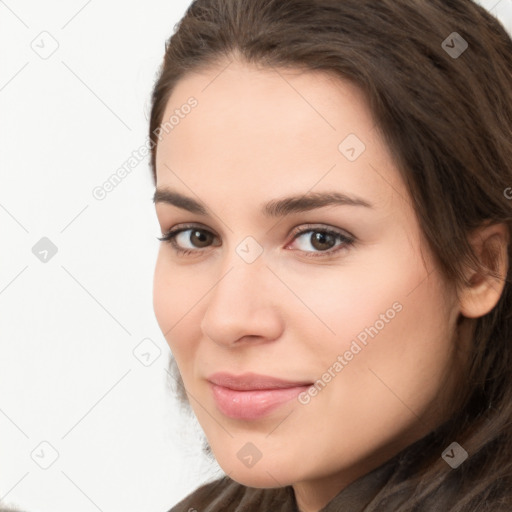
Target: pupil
x=322, y=238
x=201, y=236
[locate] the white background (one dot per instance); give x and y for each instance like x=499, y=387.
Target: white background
x=69, y=326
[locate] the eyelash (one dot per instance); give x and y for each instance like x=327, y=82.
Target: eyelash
x=347, y=241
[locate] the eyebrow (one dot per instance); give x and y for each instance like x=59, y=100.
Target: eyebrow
x=274, y=208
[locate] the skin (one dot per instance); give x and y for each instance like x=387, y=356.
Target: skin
x=258, y=135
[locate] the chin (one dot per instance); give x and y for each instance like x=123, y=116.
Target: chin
x=265, y=473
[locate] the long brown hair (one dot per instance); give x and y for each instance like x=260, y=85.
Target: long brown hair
x=447, y=119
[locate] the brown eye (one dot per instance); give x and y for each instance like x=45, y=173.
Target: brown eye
x=322, y=240
x=188, y=240
x=200, y=238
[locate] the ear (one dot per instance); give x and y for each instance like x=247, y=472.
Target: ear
x=490, y=243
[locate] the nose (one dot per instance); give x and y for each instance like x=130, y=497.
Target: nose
x=243, y=307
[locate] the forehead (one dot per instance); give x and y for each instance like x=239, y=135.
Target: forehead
x=286, y=130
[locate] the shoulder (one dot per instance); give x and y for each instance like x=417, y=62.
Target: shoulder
x=226, y=495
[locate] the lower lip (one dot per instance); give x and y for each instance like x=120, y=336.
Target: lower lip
x=251, y=405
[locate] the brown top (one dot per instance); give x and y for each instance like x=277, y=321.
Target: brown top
x=226, y=495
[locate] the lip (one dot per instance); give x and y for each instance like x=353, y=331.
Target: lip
x=251, y=396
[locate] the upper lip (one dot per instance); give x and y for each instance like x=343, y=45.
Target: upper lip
x=250, y=381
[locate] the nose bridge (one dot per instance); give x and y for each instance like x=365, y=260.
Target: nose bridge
x=241, y=302
x=237, y=291
x=244, y=266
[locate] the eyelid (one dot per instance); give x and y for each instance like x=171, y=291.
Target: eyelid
x=307, y=227
x=347, y=238
x=170, y=235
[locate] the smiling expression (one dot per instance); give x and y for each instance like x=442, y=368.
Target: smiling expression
x=299, y=236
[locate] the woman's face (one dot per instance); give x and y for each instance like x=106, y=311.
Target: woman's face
x=340, y=301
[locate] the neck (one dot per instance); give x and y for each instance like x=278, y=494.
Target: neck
x=314, y=495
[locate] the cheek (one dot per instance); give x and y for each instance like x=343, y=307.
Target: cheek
x=401, y=366
x=163, y=296
x=419, y=343
x=176, y=298
x=388, y=315
x=348, y=303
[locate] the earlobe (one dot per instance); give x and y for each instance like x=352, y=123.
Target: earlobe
x=486, y=285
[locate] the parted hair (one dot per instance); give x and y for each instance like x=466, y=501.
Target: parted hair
x=447, y=119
